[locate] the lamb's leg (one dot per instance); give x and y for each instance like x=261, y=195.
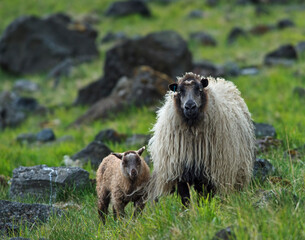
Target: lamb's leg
x=139, y=206
x=118, y=204
x=184, y=193
x=103, y=203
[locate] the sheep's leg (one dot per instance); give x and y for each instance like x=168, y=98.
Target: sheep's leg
x=184, y=193
x=103, y=203
x=118, y=204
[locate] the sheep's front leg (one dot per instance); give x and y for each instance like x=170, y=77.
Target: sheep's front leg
x=139, y=206
x=103, y=203
x=184, y=193
x=118, y=204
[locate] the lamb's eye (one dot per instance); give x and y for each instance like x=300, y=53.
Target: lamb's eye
x=181, y=90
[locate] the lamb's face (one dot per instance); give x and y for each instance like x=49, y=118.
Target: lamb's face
x=190, y=97
x=131, y=165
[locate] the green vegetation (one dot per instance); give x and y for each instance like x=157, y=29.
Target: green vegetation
x=269, y=96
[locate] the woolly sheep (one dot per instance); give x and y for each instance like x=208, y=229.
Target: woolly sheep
x=203, y=136
x=121, y=177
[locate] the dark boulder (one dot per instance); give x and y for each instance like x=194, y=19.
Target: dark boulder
x=26, y=138
x=146, y=87
x=249, y=71
x=301, y=48
x=109, y=135
x=164, y=51
x=138, y=140
x=285, y=23
x=262, y=169
x=236, y=33
x=206, y=68
x=27, y=104
x=93, y=153
x=46, y=183
x=284, y=55
x=24, y=85
x=124, y=8
x=45, y=135
x=204, y=38
x=111, y=37
x=225, y=234
x=264, y=129
x=261, y=29
x=15, y=214
x=31, y=44
x=196, y=14
x=299, y=91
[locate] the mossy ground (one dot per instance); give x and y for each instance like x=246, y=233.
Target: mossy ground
x=269, y=96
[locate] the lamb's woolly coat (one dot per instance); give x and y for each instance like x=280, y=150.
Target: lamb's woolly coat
x=221, y=144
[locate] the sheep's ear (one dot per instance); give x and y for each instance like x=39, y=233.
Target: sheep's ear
x=118, y=155
x=204, y=82
x=141, y=150
x=173, y=87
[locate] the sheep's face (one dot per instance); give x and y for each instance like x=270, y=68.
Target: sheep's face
x=131, y=163
x=190, y=97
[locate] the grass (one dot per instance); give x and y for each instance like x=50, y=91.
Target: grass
x=269, y=96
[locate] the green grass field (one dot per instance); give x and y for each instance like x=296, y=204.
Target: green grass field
x=269, y=96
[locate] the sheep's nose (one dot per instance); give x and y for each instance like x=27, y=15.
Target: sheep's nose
x=190, y=105
x=133, y=172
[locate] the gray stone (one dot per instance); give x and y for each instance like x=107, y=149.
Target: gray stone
x=26, y=138
x=31, y=44
x=264, y=129
x=285, y=23
x=138, y=140
x=10, y=116
x=204, y=38
x=262, y=169
x=165, y=52
x=249, y=71
x=225, y=234
x=24, y=85
x=46, y=135
x=15, y=214
x=206, y=68
x=109, y=135
x=124, y=8
x=93, y=153
x=284, y=55
x=300, y=48
x=299, y=91
x=236, y=33
x=27, y=104
x=196, y=14
x=231, y=69
x=45, y=183
x=111, y=37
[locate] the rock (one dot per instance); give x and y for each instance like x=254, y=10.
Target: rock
x=299, y=91
x=32, y=45
x=196, y=14
x=204, y=38
x=266, y=143
x=46, y=183
x=236, y=33
x=109, y=135
x=15, y=214
x=110, y=37
x=206, y=68
x=225, y=234
x=138, y=140
x=231, y=69
x=261, y=10
x=261, y=29
x=285, y=23
x=10, y=116
x=24, y=85
x=263, y=130
x=212, y=3
x=27, y=104
x=26, y=138
x=45, y=135
x=144, y=88
x=165, y=52
x=94, y=152
x=284, y=55
x=300, y=48
x=262, y=169
x=124, y=8
x=249, y=71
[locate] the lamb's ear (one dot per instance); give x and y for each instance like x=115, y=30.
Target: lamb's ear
x=141, y=150
x=118, y=155
x=204, y=82
x=173, y=87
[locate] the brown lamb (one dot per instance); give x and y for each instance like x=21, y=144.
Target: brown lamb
x=122, y=177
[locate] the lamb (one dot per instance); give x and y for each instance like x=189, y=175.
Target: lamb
x=122, y=177
x=203, y=136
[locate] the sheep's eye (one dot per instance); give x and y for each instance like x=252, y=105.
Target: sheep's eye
x=197, y=89
x=181, y=90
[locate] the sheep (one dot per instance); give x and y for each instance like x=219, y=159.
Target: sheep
x=122, y=177
x=203, y=136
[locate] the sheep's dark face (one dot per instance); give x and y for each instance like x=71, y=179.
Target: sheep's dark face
x=131, y=163
x=191, y=98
